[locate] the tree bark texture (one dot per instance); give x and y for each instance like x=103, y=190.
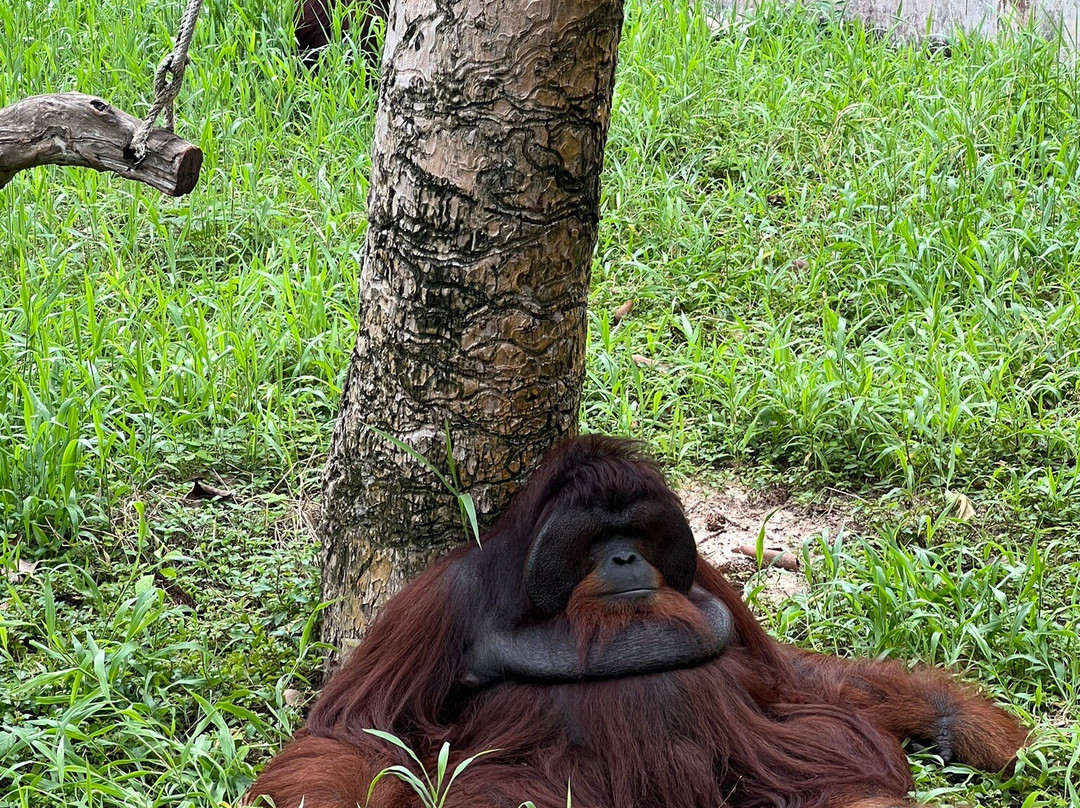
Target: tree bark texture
x=483, y=213
x=72, y=129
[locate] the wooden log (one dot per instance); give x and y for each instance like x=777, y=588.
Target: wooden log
x=771, y=557
x=72, y=129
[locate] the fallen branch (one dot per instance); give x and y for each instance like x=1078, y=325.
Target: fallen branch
x=72, y=129
x=771, y=558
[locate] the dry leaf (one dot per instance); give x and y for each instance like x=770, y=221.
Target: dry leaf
x=23, y=569
x=621, y=312
x=716, y=521
x=965, y=508
x=294, y=698
x=203, y=491
x=647, y=362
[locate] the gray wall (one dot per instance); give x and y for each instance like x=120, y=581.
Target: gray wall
x=915, y=19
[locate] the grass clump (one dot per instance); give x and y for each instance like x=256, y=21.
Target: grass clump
x=854, y=265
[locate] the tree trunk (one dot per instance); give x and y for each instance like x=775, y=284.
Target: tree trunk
x=482, y=220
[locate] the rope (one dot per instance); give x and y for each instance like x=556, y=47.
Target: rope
x=167, y=81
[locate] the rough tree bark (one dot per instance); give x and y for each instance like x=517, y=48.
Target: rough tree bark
x=483, y=212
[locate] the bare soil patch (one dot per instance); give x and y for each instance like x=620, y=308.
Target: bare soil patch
x=724, y=519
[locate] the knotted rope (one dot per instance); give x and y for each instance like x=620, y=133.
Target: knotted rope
x=167, y=80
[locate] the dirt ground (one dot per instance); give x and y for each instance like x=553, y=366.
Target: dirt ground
x=725, y=519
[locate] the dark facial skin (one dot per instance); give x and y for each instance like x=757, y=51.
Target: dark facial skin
x=622, y=568
x=565, y=547
x=630, y=567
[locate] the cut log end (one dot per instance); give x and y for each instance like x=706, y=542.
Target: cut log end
x=187, y=171
x=73, y=129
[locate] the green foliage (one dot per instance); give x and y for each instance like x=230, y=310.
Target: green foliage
x=854, y=265
x=852, y=260
x=432, y=792
x=151, y=676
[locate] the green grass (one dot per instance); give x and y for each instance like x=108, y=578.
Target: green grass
x=854, y=266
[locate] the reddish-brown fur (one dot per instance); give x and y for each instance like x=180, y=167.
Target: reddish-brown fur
x=763, y=725
x=595, y=622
